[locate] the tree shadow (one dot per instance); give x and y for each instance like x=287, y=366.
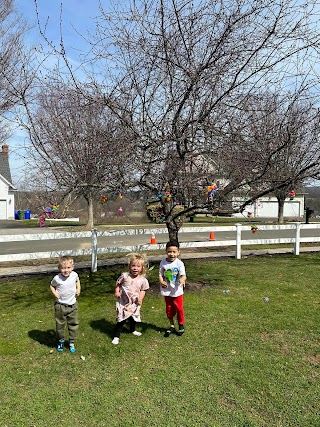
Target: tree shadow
x=107, y=328
x=47, y=338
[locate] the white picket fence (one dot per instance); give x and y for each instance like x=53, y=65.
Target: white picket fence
x=94, y=234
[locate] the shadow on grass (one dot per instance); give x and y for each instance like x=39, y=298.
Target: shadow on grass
x=103, y=326
x=47, y=338
x=107, y=327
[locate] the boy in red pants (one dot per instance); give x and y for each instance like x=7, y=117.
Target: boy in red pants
x=172, y=278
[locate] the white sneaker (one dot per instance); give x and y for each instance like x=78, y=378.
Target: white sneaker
x=115, y=340
x=136, y=333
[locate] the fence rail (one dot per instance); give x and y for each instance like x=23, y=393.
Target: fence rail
x=94, y=234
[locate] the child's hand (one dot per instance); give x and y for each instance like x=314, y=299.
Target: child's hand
x=183, y=284
x=117, y=293
x=164, y=284
x=57, y=295
x=77, y=293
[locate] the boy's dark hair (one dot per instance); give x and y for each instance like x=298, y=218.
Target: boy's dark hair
x=173, y=243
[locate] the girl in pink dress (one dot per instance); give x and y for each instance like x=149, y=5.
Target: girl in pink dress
x=130, y=291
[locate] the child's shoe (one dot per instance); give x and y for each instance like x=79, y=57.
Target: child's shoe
x=60, y=346
x=72, y=348
x=136, y=333
x=181, y=329
x=169, y=331
x=115, y=341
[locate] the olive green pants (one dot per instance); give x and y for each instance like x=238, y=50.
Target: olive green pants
x=66, y=315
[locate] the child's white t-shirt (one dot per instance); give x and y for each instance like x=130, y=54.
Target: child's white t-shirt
x=171, y=272
x=66, y=287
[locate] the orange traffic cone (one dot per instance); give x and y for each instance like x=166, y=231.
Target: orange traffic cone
x=153, y=239
x=211, y=235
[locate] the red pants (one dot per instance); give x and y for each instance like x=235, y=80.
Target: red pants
x=174, y=306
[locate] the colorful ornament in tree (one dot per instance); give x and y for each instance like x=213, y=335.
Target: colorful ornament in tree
x=292, y=195
x=51, y=209
x=167, y=196
x=42, y=220
x=102, y=200
x=211, y=191
x=254, y=229
x=249, y=214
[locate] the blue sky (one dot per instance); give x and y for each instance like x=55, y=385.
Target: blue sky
x=78, y=16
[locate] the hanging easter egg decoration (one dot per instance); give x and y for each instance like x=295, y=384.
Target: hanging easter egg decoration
x=167, y=196
x=292, y=195
x=254, y=229
x=102, y=200
x=211, y=191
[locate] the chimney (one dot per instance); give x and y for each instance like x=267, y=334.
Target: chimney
x=5, y=148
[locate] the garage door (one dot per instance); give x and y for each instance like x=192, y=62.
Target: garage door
x=3, y=209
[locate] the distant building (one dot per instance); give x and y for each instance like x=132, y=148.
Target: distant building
x=7, y=189
x=267, y=207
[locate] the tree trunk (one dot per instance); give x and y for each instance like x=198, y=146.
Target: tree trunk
x=90, y=223
x=280, y=209
x=173, y=232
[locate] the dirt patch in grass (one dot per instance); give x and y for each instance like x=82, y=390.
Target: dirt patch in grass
x=190, y=287
x=315, y=360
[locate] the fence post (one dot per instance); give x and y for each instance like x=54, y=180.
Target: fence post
x=94, y=245
x=238, y=240
x=296, y=250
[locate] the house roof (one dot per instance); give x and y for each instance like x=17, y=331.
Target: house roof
x=4, y=165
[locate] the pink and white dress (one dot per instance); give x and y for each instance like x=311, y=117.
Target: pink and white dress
x=128, y=303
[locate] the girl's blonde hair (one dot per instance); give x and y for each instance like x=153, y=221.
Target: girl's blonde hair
x=142, y=258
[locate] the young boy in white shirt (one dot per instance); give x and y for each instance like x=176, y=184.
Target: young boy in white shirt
x=65, y=286
x=172, y=278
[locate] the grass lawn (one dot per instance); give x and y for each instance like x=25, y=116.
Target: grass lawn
x=242, y=361
x=199, y=220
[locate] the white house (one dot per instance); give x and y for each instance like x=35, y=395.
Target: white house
x=7, y=189
x=267, y=207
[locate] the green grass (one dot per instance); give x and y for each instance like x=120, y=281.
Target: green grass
x=242, y=362
x=199, y=220
x=34, y=223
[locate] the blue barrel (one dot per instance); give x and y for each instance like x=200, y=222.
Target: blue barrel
x=16, y=215
x=27, y=214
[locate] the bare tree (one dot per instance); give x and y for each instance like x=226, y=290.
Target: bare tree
x=15, y=72
x=13, y=64
x=277, y=139
x=78, y=146
x=176, y=76
x=297, y=128
x=177, y=71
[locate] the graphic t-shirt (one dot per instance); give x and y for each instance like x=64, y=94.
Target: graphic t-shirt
x=171, y=272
